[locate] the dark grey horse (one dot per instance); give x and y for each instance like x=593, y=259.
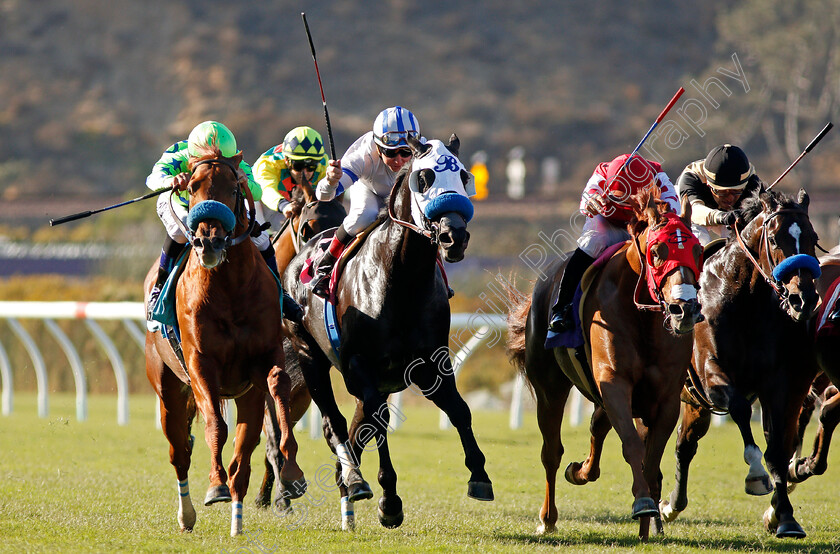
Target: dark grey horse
x=392, y=311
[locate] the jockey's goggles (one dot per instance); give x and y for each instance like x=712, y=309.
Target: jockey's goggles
x=392, y=152
x=300, y=165
x=396, y=138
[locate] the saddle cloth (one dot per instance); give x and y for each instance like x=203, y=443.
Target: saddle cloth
x=826, y=328
x=574, y=337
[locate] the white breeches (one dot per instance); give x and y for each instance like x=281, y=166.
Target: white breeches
x=364, y=207
x=599, y=234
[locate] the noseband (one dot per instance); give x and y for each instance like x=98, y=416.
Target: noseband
x=239, y=206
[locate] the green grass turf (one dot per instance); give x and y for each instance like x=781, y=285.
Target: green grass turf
x=98, y=487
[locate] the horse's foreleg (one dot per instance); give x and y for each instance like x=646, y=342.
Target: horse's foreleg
x=273, y=460
x=250, y=408
x=581, y=473
x=373, y=425
x=175, y=418
x=291, y=476
x=617, y=397
x=663, y=417
x=817, y=462
x=780, y=428
x=442, y=391
x=215, y=435
x=693, y=427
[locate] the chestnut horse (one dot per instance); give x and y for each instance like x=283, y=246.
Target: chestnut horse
x=638, y=360
x=228, y=312
x=309, y=218
x=758, y=293
x=824, y=387
x=392, y=311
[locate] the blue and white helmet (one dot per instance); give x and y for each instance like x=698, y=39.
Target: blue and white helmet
x=393, y=125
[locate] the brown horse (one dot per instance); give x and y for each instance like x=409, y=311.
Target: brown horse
x=824, y=387
x=638, y=359
x=758, y=293
x=228, y=311
x=309, y=218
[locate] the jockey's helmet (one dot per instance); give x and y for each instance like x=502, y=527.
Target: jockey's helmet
x=727, y=167
x=211, y=134
x=302, y=143
x=393, y=125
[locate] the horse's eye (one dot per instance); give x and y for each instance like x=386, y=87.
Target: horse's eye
x=772, y=241
x=425, y=180
x=659, y=253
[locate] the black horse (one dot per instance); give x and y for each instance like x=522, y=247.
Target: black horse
x=758, y=293
x=392, y=311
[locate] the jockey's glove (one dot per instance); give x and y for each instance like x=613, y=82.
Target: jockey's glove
x=720, y=217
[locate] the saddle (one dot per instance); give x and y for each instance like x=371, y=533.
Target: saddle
x=574, y=340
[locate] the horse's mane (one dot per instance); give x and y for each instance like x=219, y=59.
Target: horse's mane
x=639, y=202
x=752, y=205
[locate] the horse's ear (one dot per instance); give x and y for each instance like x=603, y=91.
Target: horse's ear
x=418, y=147
x=237, y=159
x=768, y=201
x=454, y=144
x=803, y=200
x=685, y=211
x=651, y=212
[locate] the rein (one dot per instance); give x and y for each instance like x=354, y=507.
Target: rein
x=391, y=201
x=637, y=291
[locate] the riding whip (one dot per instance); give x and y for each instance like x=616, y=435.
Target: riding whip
x=644, y=138
x=808, y=148
x=320, y=86
x=81, y=215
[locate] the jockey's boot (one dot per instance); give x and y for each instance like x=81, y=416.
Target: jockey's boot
x=168, y=256
x=291, y=309
x=270, y=260
x=560, y=317
x=321, y=280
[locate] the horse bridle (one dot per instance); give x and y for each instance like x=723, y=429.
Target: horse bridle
x=660, y=297
x=429, y=234
x=781, y=291
x=240, y=204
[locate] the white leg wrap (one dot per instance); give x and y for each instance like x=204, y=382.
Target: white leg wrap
x=348, y=515
x=235, y=519
x=186, y=512
x=346, y=461
x=752, y=456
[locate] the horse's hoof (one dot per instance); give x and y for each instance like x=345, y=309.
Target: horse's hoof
x=359, y=491
x=282, y=506
x=390, y=512
x=220, y=493
x=669, y=514
x=295, y=489
x=758, y=486
x=480, y=490
x=644, y=506
x=790, y=530
x=545, y=528
x=570, y=472
x=186, y=519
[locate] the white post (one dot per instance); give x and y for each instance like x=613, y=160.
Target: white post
x=516, y=401
x=119, y=369
x=38, y=362
x=6, y=375
x=75, y=365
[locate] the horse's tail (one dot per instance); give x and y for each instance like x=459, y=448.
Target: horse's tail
x=520, y=306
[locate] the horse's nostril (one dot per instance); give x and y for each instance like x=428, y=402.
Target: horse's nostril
x=445, y=238
x=675, y=309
